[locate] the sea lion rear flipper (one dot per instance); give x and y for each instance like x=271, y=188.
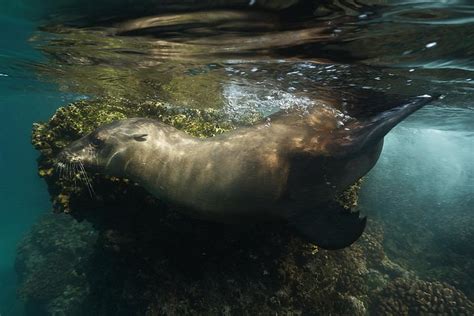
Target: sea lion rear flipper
x=368, y=128
x=330, y=226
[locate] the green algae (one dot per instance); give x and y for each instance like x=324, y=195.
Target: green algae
x=350, y=197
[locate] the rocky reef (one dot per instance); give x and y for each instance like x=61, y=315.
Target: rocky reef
x=51, y=262
x=178, y=266
x=405, y=296
x=124, y=252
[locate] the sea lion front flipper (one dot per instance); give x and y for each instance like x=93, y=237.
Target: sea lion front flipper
x=330, y=226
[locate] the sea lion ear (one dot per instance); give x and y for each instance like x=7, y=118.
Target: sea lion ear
x=140, y=137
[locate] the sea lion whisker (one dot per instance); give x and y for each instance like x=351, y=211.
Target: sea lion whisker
x=58, y=167
x=78, y=174
x=81, y=174
x=67, y=171
x=70, y=176
x=87, y=181
x=85, y=173
x=74, y=171
x=70, y=172
x=62, y=169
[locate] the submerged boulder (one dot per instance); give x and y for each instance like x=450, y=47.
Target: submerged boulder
x=405, y=296
x=51, y=263
x=178, y=266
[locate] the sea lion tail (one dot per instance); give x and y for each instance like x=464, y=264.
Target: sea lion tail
x=369, y=131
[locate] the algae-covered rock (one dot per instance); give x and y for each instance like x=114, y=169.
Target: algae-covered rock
x=156, y=262
x=411, y=296
x=50, y=264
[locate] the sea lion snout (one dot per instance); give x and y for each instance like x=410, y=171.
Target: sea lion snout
x=105, y=149
x=72, y=150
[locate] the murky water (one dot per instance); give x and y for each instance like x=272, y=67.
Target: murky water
x=244, y=61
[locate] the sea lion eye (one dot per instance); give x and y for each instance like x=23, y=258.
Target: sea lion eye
x=96, y=142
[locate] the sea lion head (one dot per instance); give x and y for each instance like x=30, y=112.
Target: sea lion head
x=105, y=149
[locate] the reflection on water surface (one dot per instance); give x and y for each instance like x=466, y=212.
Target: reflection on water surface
x=293, y=49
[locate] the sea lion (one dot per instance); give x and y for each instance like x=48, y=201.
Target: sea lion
x=290, y=166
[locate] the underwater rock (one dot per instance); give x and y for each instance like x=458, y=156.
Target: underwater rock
x=183, y=266
x=437, y=246
x=180, y=266
x=50, y=264
x=405, y=296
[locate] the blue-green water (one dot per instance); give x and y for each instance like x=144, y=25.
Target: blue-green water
x=426, y=171
x=24, y=100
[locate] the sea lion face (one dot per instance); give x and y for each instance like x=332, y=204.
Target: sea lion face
x=105, y=149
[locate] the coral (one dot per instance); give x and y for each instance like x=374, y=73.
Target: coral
x=411, y=296
x=50, y=261
x=183, y=266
